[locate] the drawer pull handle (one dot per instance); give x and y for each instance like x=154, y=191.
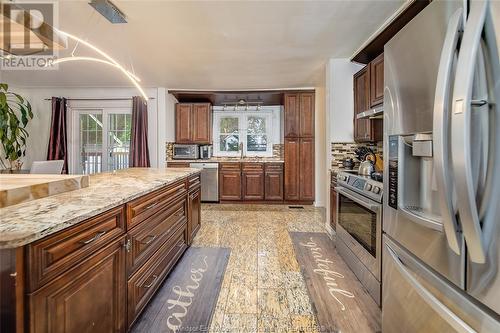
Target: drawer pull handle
x=152, y=205
x=155, y=277
x=93, y=239
x=151, y=238
x=179, y=213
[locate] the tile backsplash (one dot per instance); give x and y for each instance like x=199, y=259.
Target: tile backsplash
x=278, y=150
x=342, y=150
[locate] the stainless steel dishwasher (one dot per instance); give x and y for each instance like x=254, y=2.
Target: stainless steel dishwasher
x=209, y=181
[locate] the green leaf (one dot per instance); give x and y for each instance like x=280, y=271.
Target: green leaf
x=19, y=97
x=4, y=86
x=3, y=100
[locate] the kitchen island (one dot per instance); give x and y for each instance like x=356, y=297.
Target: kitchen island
x=95, y=256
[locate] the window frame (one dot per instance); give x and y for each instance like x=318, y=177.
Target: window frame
x=243, y=132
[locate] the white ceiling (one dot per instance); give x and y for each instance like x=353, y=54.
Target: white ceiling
x=214, y=44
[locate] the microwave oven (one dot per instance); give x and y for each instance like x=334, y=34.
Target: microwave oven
x=185, y=152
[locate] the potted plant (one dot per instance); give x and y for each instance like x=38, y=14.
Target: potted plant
x=15, y=113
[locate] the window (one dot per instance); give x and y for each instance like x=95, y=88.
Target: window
x=100, y=140
x=252, y=130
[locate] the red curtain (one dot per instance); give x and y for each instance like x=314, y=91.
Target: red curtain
x=58, y=141
x=139, y=152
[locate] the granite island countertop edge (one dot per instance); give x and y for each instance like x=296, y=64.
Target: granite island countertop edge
x=27, y=222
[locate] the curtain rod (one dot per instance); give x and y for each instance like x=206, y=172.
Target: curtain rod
x=98, y=99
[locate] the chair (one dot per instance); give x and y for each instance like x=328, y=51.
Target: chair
x=47, y=167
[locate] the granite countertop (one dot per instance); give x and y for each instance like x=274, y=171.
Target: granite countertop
x=26, y=222
x=234, y=159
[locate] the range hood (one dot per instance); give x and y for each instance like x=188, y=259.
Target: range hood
x=375, y=113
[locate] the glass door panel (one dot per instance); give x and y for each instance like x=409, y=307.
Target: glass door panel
x=119, y=126
x=90, y=147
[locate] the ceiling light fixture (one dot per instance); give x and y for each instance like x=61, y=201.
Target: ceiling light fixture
x=91, y=59
x=129, y=75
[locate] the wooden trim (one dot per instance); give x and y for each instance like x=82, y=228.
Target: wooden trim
x=12, y=279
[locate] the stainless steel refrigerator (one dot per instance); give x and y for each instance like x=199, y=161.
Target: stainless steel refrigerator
x=441, y=220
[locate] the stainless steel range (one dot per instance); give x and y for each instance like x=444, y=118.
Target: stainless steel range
x=359, y=229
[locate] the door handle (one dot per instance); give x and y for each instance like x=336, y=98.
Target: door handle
x=444, y=312
x=461, y=131
x=150, y=239
x=441, y=131
x=93, y=239
x=149, y=285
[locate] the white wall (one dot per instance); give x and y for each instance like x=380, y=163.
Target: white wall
x=339, y=100
x=321, y=180
x=39, y=126
x=170, y=118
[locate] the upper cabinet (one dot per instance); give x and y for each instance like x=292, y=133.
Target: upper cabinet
x=299, y=115
x=368, y=93
x=377, y=81
x=193, y=123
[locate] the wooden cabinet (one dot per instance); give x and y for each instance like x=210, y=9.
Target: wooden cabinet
x=299, y=147
x=230, y=181
x=306, y=167
x=194, y=204
x=377, y=81
x=274, y=181
x=100, y=274
x=365, y=130
x=292, y=115
x=299, y=114
x=183, y=123
x=89, y=297
x=292, y=169
x=175, y=164
x=193, y=123
x=202, y=123
x=252, y=181
x=333, y=203
x=306, y=117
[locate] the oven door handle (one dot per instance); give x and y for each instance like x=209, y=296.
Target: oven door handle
x=367, y=203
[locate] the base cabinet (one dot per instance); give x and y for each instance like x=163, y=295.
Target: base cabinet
x=88, y=298
x=103, y=271
x=194, y=221
x=274, y=182
x=299, y=169
x=292, y=167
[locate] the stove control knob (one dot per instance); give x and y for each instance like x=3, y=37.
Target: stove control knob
x=376, y=190
x=368, y=187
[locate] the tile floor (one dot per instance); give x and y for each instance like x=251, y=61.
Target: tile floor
x=263, y=289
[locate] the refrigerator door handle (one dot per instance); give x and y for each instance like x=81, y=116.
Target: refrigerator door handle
x=441, y=131
x=444, y=312
x=461, y=132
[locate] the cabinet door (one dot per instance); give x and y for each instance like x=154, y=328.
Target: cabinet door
x=292, y=169
x=333, y=208
x=194, y=222
x=230, y=185
x=306, y=115
x=292, y=115
x=306, y=169
x=361, y=104
x=274, y=185
x=202, y=123
x=377, y=81
x=88, y=298
x=253, y=185
x=183, y=123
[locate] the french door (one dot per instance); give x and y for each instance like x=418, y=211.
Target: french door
x=100, y=139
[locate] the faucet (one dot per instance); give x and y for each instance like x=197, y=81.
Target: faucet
x=241, y=149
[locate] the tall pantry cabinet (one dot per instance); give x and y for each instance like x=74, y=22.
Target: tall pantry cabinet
x=299, y=147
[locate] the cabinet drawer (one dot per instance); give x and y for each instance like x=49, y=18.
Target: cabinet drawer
x=252, y=166
x=232, y=166
x=194, y=182
x=177, y=164
x=153, y=232
x=54, y=255
x=274, y=167
x=143, y=284
x=150, y=204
